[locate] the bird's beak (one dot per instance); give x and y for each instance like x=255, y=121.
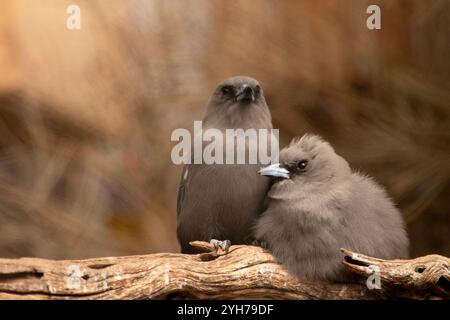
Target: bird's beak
x=245, y=93
x=274, y=170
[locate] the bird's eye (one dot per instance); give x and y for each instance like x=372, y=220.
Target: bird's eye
x=302, y=165
x=226, y=90
x=257, y=89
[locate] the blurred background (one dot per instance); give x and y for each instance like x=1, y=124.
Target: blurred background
x=86, y=115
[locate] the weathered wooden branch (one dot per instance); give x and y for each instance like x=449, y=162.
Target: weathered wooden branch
x=245, y=272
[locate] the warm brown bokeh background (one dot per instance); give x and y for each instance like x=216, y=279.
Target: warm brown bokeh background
x=86, y=115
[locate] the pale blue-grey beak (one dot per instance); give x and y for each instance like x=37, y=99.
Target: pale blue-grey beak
x=274, y=170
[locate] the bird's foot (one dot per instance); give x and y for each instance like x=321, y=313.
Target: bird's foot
x=218, y=244
x=261, y=243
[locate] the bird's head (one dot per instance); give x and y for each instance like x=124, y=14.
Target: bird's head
x=306, y=160
x=239, y=102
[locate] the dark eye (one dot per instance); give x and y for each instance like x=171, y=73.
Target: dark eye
x=257, y=89
x=226, y=90
x=301, y=165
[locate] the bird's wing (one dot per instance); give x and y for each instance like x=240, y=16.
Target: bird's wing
x=181, y=189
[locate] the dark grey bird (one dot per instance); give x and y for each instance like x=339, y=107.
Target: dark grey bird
x=222, y=201
x=317, y=205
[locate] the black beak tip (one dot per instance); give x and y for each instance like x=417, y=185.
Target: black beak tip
x=245, y=94
x=248, y=91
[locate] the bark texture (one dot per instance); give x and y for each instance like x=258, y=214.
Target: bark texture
x=244, y=272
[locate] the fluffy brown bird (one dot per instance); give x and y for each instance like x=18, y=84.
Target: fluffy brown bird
x=222, y=201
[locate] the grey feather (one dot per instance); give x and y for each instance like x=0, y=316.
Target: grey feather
x=323, y=208
x=180, y=196
x=222, y=201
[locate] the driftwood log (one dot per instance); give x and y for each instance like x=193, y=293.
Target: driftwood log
x=244, y=272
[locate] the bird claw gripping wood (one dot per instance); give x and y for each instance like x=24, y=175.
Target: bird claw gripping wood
x=214, y=248
x=223, y=245
x=261, y=243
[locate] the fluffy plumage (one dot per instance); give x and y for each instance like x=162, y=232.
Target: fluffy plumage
x=324, y=206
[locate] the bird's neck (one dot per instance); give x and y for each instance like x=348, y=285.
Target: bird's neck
x=316, y=192
x=245, y=118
